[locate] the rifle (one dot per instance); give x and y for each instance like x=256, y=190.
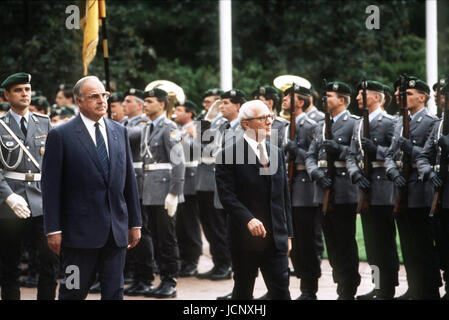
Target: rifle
x=439, y=110
x=401, y=204
x=364, y=200
x=443, y=165
x=291, y=161
x=328, y=201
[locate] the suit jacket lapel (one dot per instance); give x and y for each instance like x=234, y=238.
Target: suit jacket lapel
x=112, y=145
x=86, y=141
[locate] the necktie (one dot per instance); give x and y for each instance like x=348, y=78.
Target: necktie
x=23, y=127
x=227, y=126
x=151, y=128
x=101, y=149
x=262, y=155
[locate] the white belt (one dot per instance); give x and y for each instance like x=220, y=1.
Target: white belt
x=137, y=165
x=29, y=177
x=207, y=160
x=400, y=164
x=337, y=164
x=157, y=166
x=300, y=167
x=192, y=164
x=374, y=164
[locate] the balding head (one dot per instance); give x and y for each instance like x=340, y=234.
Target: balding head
x=256, y=119
x=78, y=88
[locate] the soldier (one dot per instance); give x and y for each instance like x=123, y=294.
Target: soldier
x=23, y=137
x=188, y=229
x=338, y=225
x=304, y=255
x=379, y=231
x=311, y=111
x=117, y=110
x=439, y=86
x=414, y=225
x=209, y=97
x=426, y=161
x=39, y=104
x=141, y=258
x=270, y=97
x=64, y=97
x=163, y=183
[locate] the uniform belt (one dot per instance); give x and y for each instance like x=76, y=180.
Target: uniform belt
x=29, y=177
x=192, y=164
x=207, y=160
x=300, y=167
x=137, y=165
x=374, y=164
x=337, y=164
x=400, y=164
x=157, y=166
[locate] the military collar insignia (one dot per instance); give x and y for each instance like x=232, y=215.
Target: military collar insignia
x=419, y=119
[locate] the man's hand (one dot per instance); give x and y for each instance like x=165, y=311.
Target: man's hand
x=171, y=203
x=19, y=205
x=435, y=180
x=191, y=130
x=332, y=147
x=398, y=180
x=369, y=147
x=321, y=178
x=133, y=237
x=291, y=146
x=289, y=246
x=54, y=242
x=256, y=228
x=406, y=145
x=361, y=181
x=443, y=142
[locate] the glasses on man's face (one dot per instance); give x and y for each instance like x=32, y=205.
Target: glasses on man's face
x=264, y=118
x=96, y=96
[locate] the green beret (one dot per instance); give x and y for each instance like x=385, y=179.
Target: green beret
x=40, y=102
x=156, y=92
x=116, y=97
x=63, y=111
x=4, y=106
x=191, y=106
x=413, y=83
x=36, y=93
x=372, y=85
x=2, y=92
x=212, y=92
x=339, y=87
x=16, y=78
x=233, y=94
x=440, y=84
x=266, y=91
x=64, y=86
x=298, y=89
x=135, y=92
x=388, y=90
x=445, y=89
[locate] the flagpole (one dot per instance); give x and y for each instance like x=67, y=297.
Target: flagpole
x=431, y=48
x=225, y=44
x=104, y=34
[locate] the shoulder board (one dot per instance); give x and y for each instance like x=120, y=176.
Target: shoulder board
x=280, y=119
x=311, y=120
x=431, y=116
x=388, y=116
x=355, y=117
x=41, y=115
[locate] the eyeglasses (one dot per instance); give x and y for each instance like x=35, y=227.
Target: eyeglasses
x=96, y=96
x=263, y=118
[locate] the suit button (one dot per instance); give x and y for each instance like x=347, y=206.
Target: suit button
x=29, y=159
x=343, y=173
x=28, y=147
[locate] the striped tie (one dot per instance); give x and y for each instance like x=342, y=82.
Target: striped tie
x=101, y=149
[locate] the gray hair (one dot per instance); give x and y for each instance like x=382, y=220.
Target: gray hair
x=77, y=92
x=249, y=109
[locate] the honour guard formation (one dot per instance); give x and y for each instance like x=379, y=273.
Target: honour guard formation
x=271, y=179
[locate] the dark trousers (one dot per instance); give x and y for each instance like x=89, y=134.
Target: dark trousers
x=13, y=233
x=165, y=243
x=108, y=261
x=142, y=255
x=214, y=228
x=379, y=234
x=188, y=230
x=416, y=233
x=304, y=254
x=273, y=265
x=442, y=243
x=339, y=234
x=318, y=234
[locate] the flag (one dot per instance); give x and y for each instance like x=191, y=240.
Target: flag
x=95, y=9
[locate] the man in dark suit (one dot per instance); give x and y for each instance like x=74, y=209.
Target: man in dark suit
x=254, y=193
x=90, y=198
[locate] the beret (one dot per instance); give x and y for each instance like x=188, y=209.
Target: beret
x=16, y=78
x=156, y=92
x=339, y=87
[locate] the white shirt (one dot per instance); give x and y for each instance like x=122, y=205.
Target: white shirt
x=338, y=116
x=374, y=114
x=253, y=145
x=90, y=126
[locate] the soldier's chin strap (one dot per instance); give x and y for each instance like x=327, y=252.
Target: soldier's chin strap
x=21, y=145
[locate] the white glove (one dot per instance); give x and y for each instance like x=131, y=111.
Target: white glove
x=18, y=205
x=171, y=202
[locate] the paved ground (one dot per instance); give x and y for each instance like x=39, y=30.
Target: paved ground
x=195, y=289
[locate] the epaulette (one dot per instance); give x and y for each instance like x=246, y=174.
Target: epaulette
x=280, y=119
x=41, y=115
x=431, y=116
x=311, y=120
x=388, y=116
x=355, y=116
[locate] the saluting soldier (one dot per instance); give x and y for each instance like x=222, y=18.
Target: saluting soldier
x=23, y=136
x=379, y=231
x=141, y=258
x=163, y=183
x=304, y=255
x=415, y=225
x=426, y=161
x=209, y=97
x=338, y=225
x=271, y=98
x=188, y=229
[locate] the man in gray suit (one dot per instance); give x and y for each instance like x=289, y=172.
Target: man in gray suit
x=379, y=231
x=163, y=184
x=415, y=225
x=23, y=136
x=339, y=224
x=304, y=254
x=188, y=229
